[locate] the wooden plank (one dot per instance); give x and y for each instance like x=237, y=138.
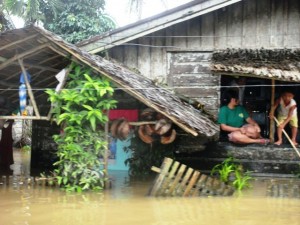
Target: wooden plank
x=194, y=92
x=184, y=182
x=190, y=68
x=234, y=26
x=191, y=184
x=175, y=182
x=207, y=31
x=156, y=169
x=199, y=185
x=203, y=79
x=157, y=56
x=169, y=178
x=249, y=24
x=159, y=179
x=292, y=38
x=277, y=24
x=191, y=57
x=180, y=29
x=194, y=32
x=221, y=28
x=131, y=55
x=144, y=56
x=263, y=20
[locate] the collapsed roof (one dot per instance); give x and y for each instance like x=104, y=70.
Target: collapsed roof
x=44, y=54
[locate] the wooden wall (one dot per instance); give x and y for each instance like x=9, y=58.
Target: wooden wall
x=246, y=24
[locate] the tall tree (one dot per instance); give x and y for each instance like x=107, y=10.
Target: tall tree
x=32, y=11
x=80, y=19
x=73, y=20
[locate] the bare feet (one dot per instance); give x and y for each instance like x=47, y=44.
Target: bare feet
x=278, y=143
x=264, y=141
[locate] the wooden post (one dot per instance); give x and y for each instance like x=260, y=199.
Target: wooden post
x=106, y=154
x=29, y=89
x=271, y=135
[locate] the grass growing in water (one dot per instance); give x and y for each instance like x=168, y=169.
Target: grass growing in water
x=229, y=168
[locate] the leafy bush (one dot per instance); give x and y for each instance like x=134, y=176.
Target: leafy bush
x=81, y=109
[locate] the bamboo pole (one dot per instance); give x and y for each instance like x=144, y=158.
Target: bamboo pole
x=287, y=136
x=271, y=135
x=36, y=110
x=106, y=155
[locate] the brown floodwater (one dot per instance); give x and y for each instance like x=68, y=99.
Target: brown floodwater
x=126, y=203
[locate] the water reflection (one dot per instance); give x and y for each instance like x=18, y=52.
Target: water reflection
x=127, y=203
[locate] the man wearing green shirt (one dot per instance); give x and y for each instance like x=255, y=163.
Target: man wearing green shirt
x=235, y=120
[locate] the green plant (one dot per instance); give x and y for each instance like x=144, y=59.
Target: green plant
x=224, y=169
x=230, y=167
x=81, y=109
x=242, y=180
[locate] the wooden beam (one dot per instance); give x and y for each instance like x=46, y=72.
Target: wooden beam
x=20, y=56
x=33, y=66
x=36, y=110
x=17, y=42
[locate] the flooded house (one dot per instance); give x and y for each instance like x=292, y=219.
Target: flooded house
x=198, y=49
x=44, y=55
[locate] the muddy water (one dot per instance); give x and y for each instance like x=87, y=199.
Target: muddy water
x=126, y=203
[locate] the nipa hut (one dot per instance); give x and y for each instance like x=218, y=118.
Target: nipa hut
x=43, y=55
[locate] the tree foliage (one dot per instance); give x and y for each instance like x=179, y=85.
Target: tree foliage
x=80, y=19
x=73, y=20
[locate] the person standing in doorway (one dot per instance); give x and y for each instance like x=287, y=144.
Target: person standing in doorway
x=287, y=114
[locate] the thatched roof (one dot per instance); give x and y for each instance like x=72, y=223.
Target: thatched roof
x=278, y=64
x=45, y=54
